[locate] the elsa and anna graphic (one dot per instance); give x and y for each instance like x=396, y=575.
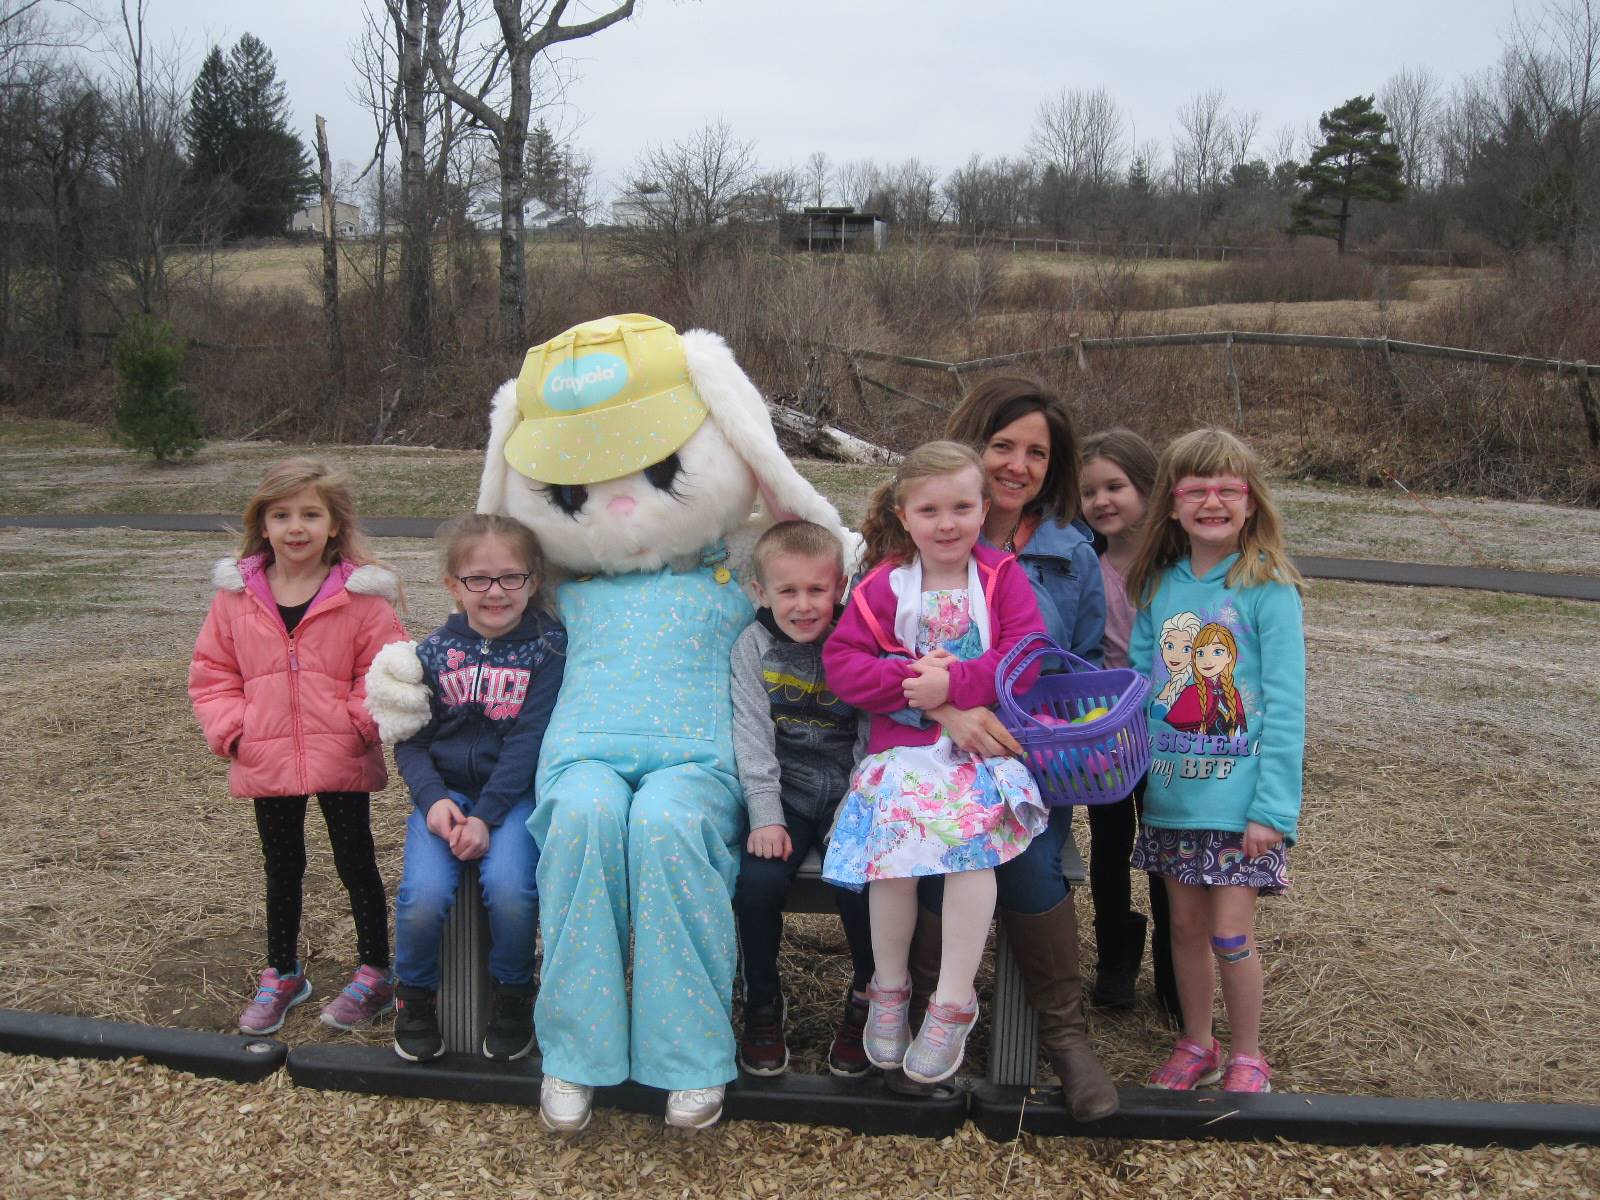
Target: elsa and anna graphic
x=1199, y=695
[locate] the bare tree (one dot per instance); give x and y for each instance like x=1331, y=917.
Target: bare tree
x=1199, y=152
x=686, y=191
x=1081, y=132
x=1557, y=61
x=818, y=176
x=776, y=191
x=1411, y=100
x=527, y=28
x=143, y=158
x=857, y=181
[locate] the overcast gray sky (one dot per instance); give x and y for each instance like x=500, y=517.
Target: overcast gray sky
x=938, y=79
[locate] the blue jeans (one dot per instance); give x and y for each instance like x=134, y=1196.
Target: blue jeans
x=428, y=891
x=1030, y=883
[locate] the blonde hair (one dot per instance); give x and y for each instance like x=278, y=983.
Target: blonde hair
x=1208, y=453
x=284, y=479
x=1221, y=635
x=1188, y=624
x=885, y=536
x=806, y=539
x=457, y=538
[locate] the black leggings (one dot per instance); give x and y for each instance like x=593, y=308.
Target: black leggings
x=281, y=821
x=1112, y=830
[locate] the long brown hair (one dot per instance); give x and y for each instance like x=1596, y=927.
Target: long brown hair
x=1208, y=453
x=1001, y=399
x=284, y=479
x=886, y=538
x=1127, y=450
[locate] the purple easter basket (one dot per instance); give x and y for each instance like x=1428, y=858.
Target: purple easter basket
x=1093, y=762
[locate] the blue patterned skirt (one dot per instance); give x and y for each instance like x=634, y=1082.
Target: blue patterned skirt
x=1210, y=858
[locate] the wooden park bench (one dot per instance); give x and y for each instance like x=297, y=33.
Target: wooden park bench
x=464, y=985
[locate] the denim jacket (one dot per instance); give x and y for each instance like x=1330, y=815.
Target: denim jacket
x=1065, y=573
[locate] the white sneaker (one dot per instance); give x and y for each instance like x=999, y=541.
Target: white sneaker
x=695, y=1108
x=565, y=1107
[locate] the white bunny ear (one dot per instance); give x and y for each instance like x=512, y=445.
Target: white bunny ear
x=741, y=414
x=503, y=417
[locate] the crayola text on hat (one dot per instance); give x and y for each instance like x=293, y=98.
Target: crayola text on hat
x=602, y=400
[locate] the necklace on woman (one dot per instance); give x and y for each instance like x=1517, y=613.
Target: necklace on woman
x=1010, y=544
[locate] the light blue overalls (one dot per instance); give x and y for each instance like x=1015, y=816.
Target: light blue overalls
x=640, y=811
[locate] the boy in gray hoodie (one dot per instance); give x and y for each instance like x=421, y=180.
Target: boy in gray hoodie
x=794, y=742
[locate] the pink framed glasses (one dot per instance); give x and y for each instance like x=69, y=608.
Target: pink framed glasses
x=1229, y=493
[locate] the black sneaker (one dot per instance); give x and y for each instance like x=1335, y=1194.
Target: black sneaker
x=846, y=1056
x=510, y=1032
x=763, y=1050
x=416, y=1024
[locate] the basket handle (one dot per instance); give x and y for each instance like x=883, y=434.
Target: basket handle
x=1029, y=648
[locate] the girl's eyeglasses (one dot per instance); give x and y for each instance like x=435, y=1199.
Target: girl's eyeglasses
x=511, y=582
x=1228, y=493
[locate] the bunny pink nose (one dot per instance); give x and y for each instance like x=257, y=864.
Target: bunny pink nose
x=621, y=505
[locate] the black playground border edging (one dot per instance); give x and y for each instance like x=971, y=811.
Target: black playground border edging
x=1349, y=570
x=863, y=1106
x=233, y=1057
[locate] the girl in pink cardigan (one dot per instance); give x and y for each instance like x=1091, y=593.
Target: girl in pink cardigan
x=277, y=681
x=926, y=626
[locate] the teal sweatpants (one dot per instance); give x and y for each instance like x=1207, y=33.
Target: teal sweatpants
x=656, y=852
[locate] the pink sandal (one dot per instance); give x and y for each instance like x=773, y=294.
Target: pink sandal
x=1247, y=1074
x=1190, y=1065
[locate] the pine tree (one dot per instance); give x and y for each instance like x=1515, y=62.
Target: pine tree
x=270, y=163
x=210, y=127
x=544, y=166
x=1356, y=161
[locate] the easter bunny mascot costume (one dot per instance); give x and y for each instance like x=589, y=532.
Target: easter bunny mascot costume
x=637, y=455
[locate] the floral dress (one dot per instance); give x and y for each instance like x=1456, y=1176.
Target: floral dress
x=933, y=810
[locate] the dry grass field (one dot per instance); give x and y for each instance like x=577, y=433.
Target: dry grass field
x=1442, y=937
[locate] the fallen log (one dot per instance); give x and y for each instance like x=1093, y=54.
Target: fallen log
x=826, y=441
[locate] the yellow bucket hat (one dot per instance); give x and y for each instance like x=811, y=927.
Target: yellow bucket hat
x=602, y=400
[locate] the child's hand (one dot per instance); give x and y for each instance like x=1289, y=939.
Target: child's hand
x=470, y=839
x=938, y=657
x=1258, y=839
x=443, y=818
x=770, y=841
x=929, y=687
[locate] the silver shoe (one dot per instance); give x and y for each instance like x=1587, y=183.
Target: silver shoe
x=695, y=1108
x=941, y=1043
x=886, y=1037
x=565, y=1107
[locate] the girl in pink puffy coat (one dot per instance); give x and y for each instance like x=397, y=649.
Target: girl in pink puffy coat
x=277, y=680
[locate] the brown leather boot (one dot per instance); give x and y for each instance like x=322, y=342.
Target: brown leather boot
x=927, y=947
x=1046, y=946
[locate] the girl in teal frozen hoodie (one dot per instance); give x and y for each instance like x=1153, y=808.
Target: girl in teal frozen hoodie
x=1220, y=635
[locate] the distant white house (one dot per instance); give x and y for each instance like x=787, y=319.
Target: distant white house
x=634, y=208
x=346, y=220
x=535, y=215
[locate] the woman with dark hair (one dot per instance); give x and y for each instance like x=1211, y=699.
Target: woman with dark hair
x=1024, y=437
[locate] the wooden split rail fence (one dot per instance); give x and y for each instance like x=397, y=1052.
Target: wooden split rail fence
x=1079, y=349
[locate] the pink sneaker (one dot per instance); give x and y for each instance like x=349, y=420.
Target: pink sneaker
x=937, y=1050
x=1247, y=1074
x=1190, y=1065
x=886, y=1036
x=365, y=998
x=275, y=996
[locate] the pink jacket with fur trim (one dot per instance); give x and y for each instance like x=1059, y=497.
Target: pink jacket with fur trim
x=859, y=673
x=288, y=710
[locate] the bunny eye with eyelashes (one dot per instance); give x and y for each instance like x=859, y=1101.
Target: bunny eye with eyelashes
x=666, y=475
x=568, y=497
